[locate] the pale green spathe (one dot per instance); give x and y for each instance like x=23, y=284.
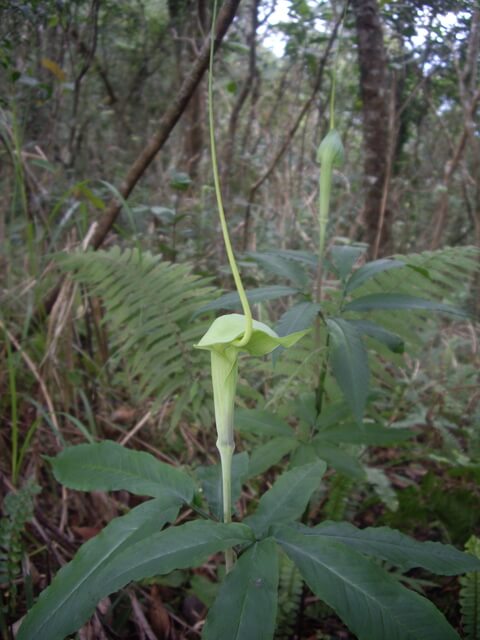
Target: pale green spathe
x=330, y=154
x=224, y=340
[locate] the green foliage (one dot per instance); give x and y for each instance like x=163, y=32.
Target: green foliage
x=211, y=482
x=428, y=275
x=157, y=554
x=374, y=605
x=349, y=363
x=454, y=508
x=470, y=594
x=288, y=498
x=338, y=494
x=17, y=511
x=253, y=586
x=107, y=466
x=148, y=309
x=364, y=317
x=396, y=548
x=289, y=597
x=329, y=556
x=328, y=436
x=72, y=597
x=406, y=283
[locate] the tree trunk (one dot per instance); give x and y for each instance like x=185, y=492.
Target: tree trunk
x=194, y=140
x=375, y=104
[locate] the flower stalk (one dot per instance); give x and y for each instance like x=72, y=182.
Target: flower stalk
x=229, y=335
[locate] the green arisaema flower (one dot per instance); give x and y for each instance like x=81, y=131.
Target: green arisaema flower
x=231, y=334
x=224, y=340
x=330, y=154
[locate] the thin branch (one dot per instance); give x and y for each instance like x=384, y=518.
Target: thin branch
x=167, y=123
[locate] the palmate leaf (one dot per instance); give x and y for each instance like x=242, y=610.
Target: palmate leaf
x=148, y=306
x=246, y=606
x=107, y=466
x=156, y=554
x=397, y=548
x=73, y=595
x=373, y=604
x=288, y=498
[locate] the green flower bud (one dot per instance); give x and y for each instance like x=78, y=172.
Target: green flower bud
x=330, y=154
x=331, y=150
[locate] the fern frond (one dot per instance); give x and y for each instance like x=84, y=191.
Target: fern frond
x=289, y=597
x=470, y=595
x=148, y=308
x=338, y=495
x=17, y=510
x=436, y=275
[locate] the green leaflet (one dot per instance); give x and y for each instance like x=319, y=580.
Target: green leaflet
x=281, y=266
x=396, y=301
x=107, y=466
x=364, y=433
x=337, y=458
x=288, y=498
x=73, y=595
x=370, y=270
x=349, y=362
x=391, y=340
x=263, y=423
x=397, y=548
x=266, y=455
x=187, y=545
x=246, y=606
x=373, y=604
x=344, y=257
x=297, y=318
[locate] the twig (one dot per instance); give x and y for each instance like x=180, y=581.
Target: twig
x=167, y=123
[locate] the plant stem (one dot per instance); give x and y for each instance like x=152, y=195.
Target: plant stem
x=226, y=456
x=14, y=414
x=221, y=212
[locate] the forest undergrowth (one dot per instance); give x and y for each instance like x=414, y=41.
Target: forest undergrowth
x=316, y=474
